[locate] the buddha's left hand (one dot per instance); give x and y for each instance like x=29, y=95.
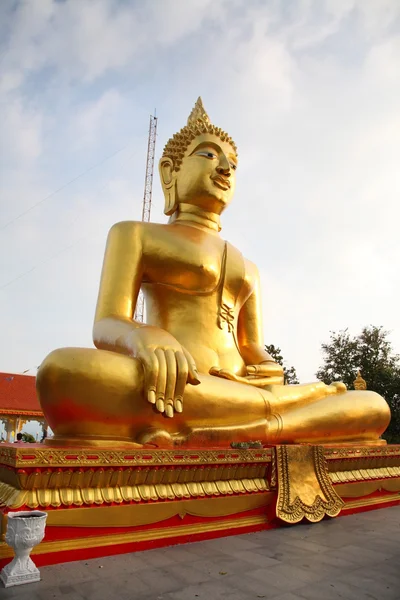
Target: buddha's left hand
x=268, y=373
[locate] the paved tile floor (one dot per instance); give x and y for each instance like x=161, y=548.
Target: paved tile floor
x=354, y=558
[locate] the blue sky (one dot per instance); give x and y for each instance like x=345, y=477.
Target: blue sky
x=310, y=92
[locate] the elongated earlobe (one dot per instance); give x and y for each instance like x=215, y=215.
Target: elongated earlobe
x=168, y=182
x=171, y=200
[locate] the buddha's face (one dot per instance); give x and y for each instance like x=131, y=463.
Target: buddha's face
x=207, y=174
x=206, y=177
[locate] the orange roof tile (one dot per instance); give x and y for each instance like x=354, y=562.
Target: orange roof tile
x=18, y=394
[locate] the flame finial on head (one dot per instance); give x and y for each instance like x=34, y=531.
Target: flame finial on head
x=198, y=123
x=198, y=114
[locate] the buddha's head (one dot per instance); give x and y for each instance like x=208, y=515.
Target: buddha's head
x=198, y=165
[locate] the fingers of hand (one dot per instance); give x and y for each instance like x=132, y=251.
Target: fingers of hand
x=226, y=374
x=181, y=380
x=269, y=369
x=161, y=379
x=193, y=376
x=150, y=365
x=256, y=381
x=170, y=386
x=166, y=375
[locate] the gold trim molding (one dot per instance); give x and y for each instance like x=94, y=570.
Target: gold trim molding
x=335, y=453
x=34, y=456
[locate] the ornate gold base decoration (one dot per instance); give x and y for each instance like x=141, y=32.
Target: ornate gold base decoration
x=105, y=494
x=356, y=475
x=38, y=477
x=182, y=493
x=304, y=487
x=360, y=472
x=156, y=495
x=348, y=458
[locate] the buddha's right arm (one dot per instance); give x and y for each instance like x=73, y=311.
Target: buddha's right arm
x=168, y=367
x=119, y=288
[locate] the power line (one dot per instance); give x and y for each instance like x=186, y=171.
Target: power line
x=58, y=252
x=62, y=188
x=46, y=260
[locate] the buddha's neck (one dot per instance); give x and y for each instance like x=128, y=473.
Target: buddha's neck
x=188, y=214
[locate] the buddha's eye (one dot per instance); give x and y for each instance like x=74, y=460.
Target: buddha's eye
x=233, y=166
x=206, y=153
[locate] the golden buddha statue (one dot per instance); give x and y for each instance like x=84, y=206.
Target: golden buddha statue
x=359, y=383
x=196, y=373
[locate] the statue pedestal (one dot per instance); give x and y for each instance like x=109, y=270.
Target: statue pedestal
x=101, y=501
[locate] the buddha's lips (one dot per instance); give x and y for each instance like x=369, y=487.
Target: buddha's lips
x=221, y=183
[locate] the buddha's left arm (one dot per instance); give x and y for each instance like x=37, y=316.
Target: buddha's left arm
x=261, y=368
x=250, y=334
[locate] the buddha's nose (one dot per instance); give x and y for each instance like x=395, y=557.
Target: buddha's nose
x=224, y=168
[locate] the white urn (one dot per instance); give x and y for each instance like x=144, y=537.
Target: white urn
x=25, y=529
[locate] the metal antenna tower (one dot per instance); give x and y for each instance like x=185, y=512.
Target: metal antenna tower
x=148, y=188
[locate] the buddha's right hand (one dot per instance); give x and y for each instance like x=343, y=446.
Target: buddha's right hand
x=167, y=365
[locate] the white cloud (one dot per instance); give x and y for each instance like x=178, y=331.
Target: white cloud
x=96, y=117
x=21, y=130
x=84, y=40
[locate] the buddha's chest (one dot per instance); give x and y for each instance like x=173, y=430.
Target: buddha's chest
x=185, y=264
x=192, y=262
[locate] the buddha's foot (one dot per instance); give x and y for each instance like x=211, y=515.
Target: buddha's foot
x=156, y=437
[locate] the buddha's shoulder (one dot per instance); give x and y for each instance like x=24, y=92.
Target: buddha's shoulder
x=251, y=267
x=251, y=272
x=135, y=228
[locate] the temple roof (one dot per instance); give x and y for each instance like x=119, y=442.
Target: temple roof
x=18, y=395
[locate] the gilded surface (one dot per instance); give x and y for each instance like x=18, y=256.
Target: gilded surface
x=196, y=374
x=304, y=486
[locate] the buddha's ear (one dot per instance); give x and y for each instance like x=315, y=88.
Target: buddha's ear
x=168, y=182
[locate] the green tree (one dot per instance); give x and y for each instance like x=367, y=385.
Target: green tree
x=27, y=437
x=371, y=351
x=289, y=373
